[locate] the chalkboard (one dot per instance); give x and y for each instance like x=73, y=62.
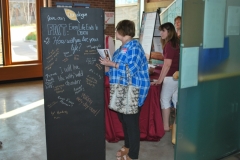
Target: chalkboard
x=73, y=83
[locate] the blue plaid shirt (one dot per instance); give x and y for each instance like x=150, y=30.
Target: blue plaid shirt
x=131, y=54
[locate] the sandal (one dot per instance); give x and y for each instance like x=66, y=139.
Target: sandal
x=122, y=152
x=122, y=158
x=128, y=158
x=125, y=157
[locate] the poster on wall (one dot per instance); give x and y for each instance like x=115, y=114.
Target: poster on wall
x=109, y=17
x=233, y=20
x=213, y=29
x=148, y=29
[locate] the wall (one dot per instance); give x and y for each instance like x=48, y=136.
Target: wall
x=153, y=5
x=131, y=12
x=107, y=5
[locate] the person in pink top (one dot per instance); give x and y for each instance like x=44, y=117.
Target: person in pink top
x=171, y=53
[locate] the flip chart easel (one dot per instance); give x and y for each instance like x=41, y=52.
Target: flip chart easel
x=149, y=31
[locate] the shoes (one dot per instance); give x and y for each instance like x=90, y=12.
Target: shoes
x=126, y=157
x=122, y=152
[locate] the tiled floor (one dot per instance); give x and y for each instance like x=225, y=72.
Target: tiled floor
x=22, y=128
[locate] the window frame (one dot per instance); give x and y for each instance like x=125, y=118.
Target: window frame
x=24, y=69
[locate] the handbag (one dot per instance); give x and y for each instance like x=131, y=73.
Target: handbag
x=124, y=99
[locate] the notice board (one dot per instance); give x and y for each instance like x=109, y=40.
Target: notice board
x=149, y=29
x=73, y=83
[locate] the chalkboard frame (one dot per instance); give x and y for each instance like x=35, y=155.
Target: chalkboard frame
x=74, y=116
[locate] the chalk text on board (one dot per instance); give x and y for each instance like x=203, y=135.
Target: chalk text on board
x=56, y=29
x=59, y=88
x=62, y=112
x=50, y=105
x=50, y=75
x=91, y=60
x=87, y=98
x=48, y=67
x=78, y=89
x=86, y=101
x=86, y=106
x=57, y=40
x=75, y=47
x=78, y=74
x=94, y=47
x=81, y=15
x=84, y=39
x=91, y=81
x=47, y=40
x=49, y=80
x=73, y=40
x=99, y=66
x=71, y=83
x=70, y=76
x=67, y=54
x=93, y=40
x=60, y=78
x=66, y=101
x=99, y=76
x=55, y=18
x=52, y=55
x=76, y=57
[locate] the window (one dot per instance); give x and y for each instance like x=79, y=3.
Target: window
x=22, y=20
x=131, y=10
x=20, y=47
x=1, y=54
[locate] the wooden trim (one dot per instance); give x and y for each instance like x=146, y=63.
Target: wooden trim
x=49, y=3
x=39, y=33
x=5, y=33
x=14, y=72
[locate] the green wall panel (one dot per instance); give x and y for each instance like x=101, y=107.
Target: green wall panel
x=208, y=115
x=208, y=120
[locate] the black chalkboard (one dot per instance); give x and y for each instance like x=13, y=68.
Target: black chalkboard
x=73, y=83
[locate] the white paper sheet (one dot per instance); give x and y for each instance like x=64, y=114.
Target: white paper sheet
x=157, y=24
x=148, y=31
x=213, y=33
x=105, y=53
x=157, y=44
x=233, y=20
x=189, y=67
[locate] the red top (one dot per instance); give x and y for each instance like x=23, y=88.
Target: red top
x=172, y=53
